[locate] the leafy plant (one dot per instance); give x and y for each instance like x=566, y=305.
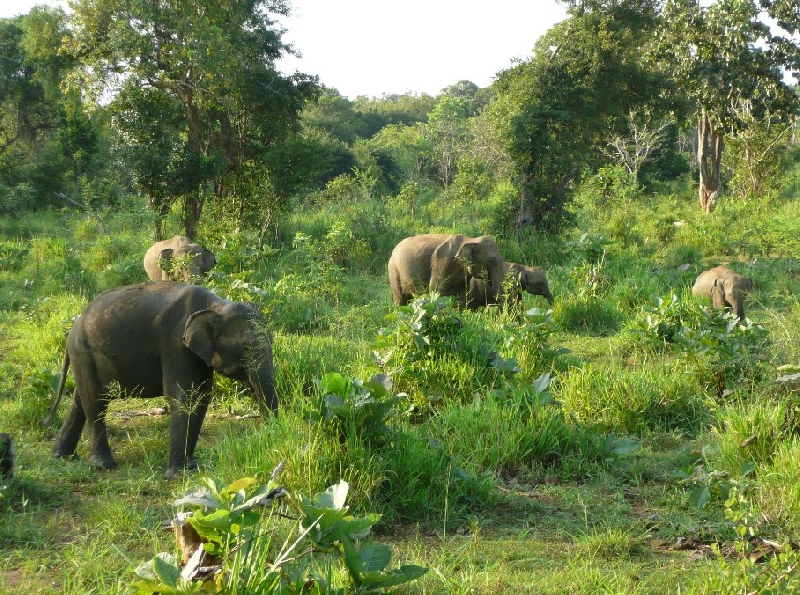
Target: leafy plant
x=229, y=550
x=332, y=530
x=712, y=337
x=417, y=331
x=357, y=409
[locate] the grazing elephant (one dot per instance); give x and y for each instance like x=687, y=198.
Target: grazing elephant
x=445, y=264
x=726, y=289
x=162, y=338
x=200, y=262
x=519, y=277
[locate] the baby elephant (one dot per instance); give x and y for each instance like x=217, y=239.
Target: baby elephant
x=158, y=260
x=155, y=339
x=517, y=277
x=725, y=288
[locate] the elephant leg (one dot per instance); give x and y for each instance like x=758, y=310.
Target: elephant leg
x=187, y=415
x=95, y=410
x=196, y=418
x=70, y=433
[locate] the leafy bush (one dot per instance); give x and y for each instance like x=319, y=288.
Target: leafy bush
x=227, y=549
x=356, y=410
x=713, y=338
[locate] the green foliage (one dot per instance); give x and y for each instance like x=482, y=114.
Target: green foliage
x=332, y=530
x=430, y=351
x=356, y=410
x=638, y=401
x=731, y=350
x=236, y=537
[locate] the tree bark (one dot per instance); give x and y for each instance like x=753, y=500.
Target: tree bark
x=525, y=213
x=710, y=144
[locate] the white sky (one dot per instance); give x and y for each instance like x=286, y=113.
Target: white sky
x=372, y=47
x=376, y=47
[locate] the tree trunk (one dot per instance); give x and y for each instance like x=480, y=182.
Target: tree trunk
x=525, y=213
x=710, y=145
x=193, y=195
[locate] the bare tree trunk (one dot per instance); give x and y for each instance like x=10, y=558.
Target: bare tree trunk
x=525, y=213
x=193, y=196
x=710, y=145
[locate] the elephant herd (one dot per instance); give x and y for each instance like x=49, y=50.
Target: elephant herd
x=472, y=270
x=168, y=337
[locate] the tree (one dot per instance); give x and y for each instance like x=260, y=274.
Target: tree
x=556, y=109
x=644, y=138
x=448, y=132
x=48, y=140
x=217, y=59
x=720, y=56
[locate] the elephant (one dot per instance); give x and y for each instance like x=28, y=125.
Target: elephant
x=445, y=264
x=162, y=338
x=726, y=288
x=162, y=253
x=6, y=456
x=520, y=277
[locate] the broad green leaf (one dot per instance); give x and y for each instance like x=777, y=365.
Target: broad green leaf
x=699, y=497
x=241, y=484
x=358, y=528
x=625, y=446
x=336, y=384
x=201, y=497
x=374, y=556
x=166, y=569
x=541, y=383
x=378, y=581
x=212, y=526
x=334, y=497
x=746, y=468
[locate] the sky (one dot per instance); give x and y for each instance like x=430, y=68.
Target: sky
x=377, y=47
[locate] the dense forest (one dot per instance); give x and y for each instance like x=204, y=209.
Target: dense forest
x=609, y=432
x=183, y=105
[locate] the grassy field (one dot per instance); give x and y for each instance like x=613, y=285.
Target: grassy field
x=631, y=440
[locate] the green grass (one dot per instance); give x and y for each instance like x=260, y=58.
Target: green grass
x=493, y=484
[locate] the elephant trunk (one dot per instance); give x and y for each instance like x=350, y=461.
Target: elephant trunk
x=738, y=310
x=262, y=383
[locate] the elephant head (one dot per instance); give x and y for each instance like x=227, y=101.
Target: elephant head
x=532, y=279
x=481, y=259
x=232, y=340
x=517, y=278
x=178, y=258
x=726, y=288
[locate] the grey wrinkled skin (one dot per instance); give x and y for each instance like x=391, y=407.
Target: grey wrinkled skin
x=725, y=288
x=443, y=263
x=163, y=338
x=518, y=278
x=200, y=260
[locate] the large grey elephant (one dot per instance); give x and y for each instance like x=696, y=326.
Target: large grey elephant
x=164, y=338
x=444, y=263
x=517, y=278
x=725, y=288
x=198, y=259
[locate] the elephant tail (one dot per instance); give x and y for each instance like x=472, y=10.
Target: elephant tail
x=48, y=421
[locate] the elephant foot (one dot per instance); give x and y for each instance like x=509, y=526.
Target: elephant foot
x=174, y=470
x=103, y=462
x=72, y=456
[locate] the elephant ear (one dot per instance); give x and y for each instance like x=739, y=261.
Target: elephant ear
x=165, y=260
x=198, y=335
